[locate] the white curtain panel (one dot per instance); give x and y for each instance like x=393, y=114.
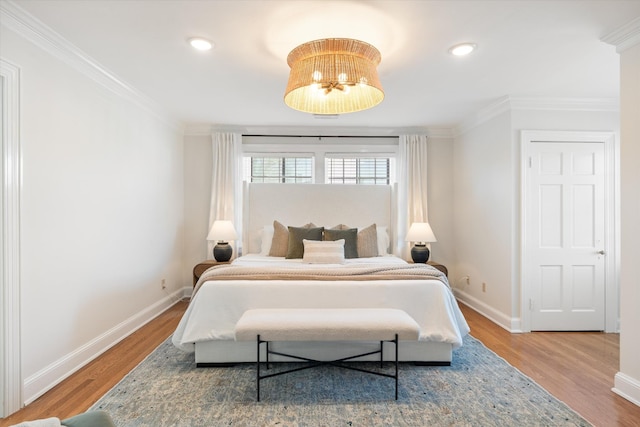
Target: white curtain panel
x=412, y=188
x=226, y=185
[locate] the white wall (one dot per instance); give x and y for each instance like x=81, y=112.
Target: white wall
x=197, y=198
x=440, y=200
x=101, y=215
x=487, y=204
x=627, y=381
x=483, y=202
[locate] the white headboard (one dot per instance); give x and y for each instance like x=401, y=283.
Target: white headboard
x=322, y=204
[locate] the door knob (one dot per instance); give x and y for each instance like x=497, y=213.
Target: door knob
x=601, y=252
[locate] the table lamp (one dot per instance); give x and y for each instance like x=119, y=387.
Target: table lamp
x=421, y=233
x=222, y=231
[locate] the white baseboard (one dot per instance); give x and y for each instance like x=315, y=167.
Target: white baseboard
x=509, y=323
x=186, y=292
x=627, y=387
x=45, y=379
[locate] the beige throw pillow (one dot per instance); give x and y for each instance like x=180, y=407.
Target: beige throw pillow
x=323, y=252
x=341, y=227
x=280, y=240
x=368, y=242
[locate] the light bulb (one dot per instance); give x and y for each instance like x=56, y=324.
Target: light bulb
x=200, y=43
x=462, y=49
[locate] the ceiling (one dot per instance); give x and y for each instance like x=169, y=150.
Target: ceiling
x=526, y=49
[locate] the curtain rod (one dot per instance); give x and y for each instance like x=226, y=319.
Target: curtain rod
x=322, y=136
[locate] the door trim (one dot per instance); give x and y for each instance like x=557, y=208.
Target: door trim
x=611, y=215
x=10, y=360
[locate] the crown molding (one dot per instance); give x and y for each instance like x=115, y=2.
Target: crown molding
x=507, y=104
x=624, y=37
x=26, y=25
x=486, y=113
x=611, y=105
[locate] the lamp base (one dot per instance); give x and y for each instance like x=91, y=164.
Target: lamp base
x=420, y=254
x=222, y=251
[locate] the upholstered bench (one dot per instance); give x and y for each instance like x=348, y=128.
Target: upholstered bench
x=325, y=324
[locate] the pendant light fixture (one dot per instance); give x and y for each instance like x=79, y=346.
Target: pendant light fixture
x=333, y=76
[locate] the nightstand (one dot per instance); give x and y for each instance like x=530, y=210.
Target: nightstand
x=204, y=266
x=436, y=265
x=439, y=267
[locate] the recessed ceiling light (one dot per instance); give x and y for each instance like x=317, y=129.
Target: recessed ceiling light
x=200, y=44
x=462, y=49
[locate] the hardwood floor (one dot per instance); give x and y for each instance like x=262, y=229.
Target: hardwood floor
x=578, y=368
x=82, y=389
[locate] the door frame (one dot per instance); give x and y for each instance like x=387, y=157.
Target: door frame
x=11, y=179
x=611, y=216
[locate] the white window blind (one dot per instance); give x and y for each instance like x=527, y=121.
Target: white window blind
x=357, y=170
x=272, y=169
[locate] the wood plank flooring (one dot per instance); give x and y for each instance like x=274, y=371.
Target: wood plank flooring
x=82, y=389
x=578, y=368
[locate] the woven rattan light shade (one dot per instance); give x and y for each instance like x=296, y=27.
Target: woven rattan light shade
x=333, y=76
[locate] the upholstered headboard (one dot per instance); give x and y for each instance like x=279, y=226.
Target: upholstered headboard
x=322, y=204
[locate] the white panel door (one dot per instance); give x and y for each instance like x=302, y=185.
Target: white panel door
x=566, y=219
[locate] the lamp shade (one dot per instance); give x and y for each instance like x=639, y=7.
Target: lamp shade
x=333, y=76
x=420, y=232
x=222, y=230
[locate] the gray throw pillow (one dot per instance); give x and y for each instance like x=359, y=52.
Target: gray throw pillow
x=350, y=237
x=297, y=235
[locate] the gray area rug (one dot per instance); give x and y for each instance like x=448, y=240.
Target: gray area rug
x=478, y=389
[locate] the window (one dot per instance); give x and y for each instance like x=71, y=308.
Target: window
x=322, y=159
x=357, y=170
x=278, y=169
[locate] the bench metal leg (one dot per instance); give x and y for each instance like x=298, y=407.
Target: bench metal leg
x=258, y=370
x=314, y=363
x=396, y=342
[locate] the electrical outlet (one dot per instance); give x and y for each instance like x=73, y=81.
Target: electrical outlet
x=484, y=287
x=164, y=283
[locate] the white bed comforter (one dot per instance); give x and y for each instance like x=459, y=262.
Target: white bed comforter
x=218, y=305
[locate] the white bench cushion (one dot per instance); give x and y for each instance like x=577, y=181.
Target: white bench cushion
x=326, y=324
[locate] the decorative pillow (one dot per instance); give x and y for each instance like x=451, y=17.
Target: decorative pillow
x=323, y=252
x=280, y=240
x=297, y=235
x=350, y=237
x=383, y=240
x=341, y=227
x=368, y=242
x=266, y=238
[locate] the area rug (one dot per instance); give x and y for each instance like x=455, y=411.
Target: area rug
x=478, y=389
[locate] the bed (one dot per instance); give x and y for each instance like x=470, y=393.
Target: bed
x=265, y=279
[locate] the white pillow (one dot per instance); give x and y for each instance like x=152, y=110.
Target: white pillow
x=266, y=236
x=383, y=240
x=323, y=251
